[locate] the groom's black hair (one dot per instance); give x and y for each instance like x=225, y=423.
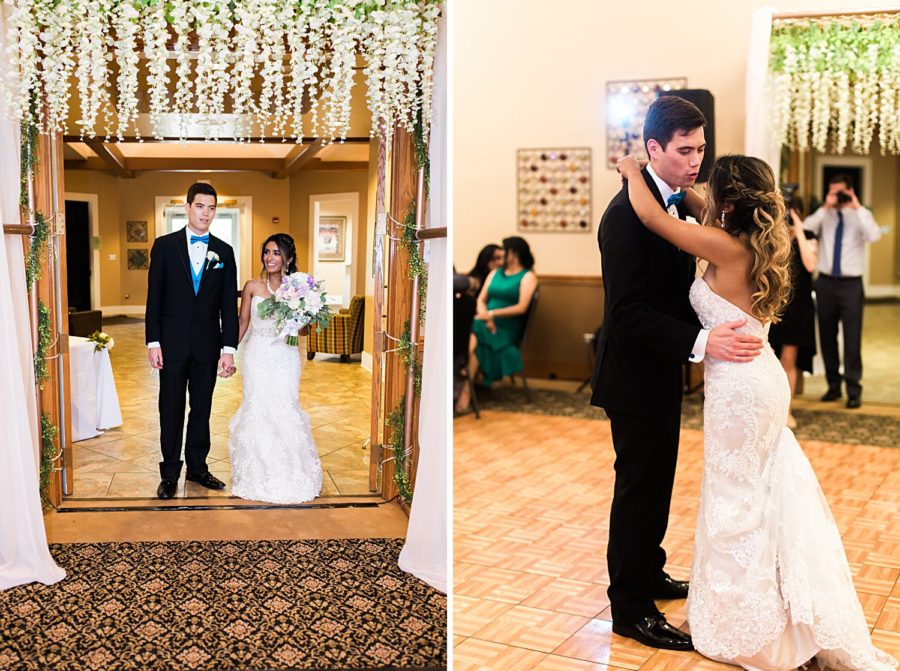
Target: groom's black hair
x=201, y=187
x=668, y=115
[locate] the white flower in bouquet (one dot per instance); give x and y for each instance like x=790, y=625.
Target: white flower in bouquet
x=299, y=301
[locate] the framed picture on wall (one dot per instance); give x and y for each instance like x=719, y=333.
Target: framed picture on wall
x=137, y=231
x=138, y=259
x=626, y=109
x=331, y=236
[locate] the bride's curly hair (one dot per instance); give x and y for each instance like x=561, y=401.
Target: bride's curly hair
x=748, y=184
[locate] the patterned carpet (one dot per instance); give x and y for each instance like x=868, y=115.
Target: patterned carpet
x=836, y=427
x=325, y=604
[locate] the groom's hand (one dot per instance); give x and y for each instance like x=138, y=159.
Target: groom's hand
x=226, y=365
x=154, y=354
x=726, y=344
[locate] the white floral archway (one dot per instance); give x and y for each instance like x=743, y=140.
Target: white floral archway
x=211, y=51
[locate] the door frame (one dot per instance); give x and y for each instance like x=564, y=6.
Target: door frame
x=315, y=202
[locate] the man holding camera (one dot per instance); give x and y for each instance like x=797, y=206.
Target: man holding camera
x=843, y=227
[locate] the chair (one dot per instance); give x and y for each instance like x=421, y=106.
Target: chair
x=85, y=322
x=343, y=335
x=521, y=344
x=463, y=316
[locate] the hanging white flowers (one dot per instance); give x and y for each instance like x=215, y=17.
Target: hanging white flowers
x=835, y=81
x=270, y=64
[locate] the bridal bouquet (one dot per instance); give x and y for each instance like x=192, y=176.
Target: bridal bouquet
x=298, y=302
x=101, y=340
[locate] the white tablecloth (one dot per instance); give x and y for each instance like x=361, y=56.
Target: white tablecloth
x=95, y=403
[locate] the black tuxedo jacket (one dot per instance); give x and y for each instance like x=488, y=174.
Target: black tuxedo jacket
x=185, y=325
x=649, y=327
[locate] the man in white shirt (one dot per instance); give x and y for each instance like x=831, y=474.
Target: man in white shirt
x=843, y=227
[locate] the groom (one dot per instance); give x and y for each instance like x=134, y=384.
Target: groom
x=649, y=332
x=192, y=325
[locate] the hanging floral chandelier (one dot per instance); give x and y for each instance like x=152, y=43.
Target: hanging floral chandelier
x=266, y=63
x=834, y=81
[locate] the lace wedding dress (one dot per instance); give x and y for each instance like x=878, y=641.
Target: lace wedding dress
x=770, y=584
x=273, y=455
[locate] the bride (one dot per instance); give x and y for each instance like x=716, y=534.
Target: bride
x=273, y=455
x=770, y=584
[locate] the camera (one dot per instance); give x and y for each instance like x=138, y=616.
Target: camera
x=843, y=198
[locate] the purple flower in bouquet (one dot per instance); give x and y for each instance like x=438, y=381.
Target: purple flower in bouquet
x=298, y=302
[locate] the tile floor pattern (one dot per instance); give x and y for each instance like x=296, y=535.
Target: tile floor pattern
x=124, y=462
x=531, y=516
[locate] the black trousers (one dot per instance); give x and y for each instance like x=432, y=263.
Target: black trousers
x=646, y=451
x=198, y=378
x=840, y=300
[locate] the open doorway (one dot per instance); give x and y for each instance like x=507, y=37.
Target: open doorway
x=120, y=466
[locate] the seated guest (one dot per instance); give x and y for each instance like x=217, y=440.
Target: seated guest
x=489, y=258
x=500, y=318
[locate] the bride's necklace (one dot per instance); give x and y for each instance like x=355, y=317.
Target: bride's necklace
x=269, y=286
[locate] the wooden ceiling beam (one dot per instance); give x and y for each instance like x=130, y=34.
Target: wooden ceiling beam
x=110, y=155
x=298, y=158
x=319, y=164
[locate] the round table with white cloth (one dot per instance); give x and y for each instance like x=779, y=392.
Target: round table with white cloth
x=95, y=403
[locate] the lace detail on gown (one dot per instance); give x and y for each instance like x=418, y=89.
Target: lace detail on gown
x=770, y=583
x=273, y=455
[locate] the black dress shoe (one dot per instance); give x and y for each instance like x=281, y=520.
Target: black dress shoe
x=655, y=632
x=668, y=588
x=167, y=488
x=832, y=395
x=854, y=402
x=208, y=480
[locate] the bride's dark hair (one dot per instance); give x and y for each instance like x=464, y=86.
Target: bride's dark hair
x=286, y=247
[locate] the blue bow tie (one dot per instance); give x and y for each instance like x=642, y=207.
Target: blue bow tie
x=675, y=199
x=200, y=238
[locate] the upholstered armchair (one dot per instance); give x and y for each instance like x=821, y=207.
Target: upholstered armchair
x=343, y=335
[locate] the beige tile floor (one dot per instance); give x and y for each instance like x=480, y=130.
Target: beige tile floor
x=123, y=462
x=880, y=353
x=531, y=515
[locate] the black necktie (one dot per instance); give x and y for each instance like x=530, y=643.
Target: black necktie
x=838, y=240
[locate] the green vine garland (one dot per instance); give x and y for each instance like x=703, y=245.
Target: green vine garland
x=45, y=340
x=408, y=353
x=407, y=349
x=36, y=251
x=28, y=158
x=397, y=422
x=48, y=447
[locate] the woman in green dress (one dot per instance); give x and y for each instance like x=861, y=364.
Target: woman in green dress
x=500, y=318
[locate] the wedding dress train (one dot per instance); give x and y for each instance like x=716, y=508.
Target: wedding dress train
x=770, y=583
x=273, y=454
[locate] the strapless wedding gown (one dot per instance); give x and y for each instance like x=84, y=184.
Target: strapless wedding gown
x=770, y=583
x=273, y=454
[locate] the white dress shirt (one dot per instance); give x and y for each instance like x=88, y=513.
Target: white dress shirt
x=699, y=349
x=197, y=255
x=859, y=228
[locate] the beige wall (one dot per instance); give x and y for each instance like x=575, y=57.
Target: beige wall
x=121, y=200
x=532, y=74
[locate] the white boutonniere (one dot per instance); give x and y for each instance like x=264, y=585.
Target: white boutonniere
x=212, y=257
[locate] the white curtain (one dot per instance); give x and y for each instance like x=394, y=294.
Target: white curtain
x=24, y=556
x=759, y=134
x=425, y=553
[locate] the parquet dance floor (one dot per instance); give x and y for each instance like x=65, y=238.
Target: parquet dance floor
x=531, y=515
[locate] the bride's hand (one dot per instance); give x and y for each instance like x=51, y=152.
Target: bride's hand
x=628, y=167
